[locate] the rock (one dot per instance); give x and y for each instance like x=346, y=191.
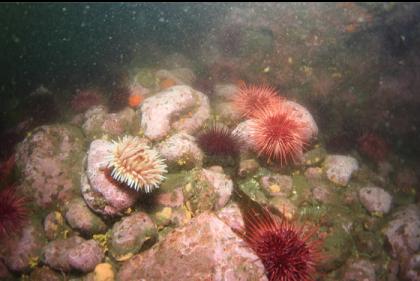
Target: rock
x=284, y=206
x=313, y=173
x=204, y=249
x=402, y=232
x=80, y=217
x=85, y=256
x=181, y=150
x=248, y=167
x=50, y=159
x=225, y=91
x=232, y=216
x=104, y=272
x=311, y=129
x=406, y=179
x=359, y=270
x=375, y=199
x=172, y=199
x=410, y=268
x=244, y=133
x=20, y=251
x=129, y=235
x=179, y=107
x=99, y=122
x=181, y=76
x=102, y=195
x=227, y=113
x=54, y=225
x=56, y=253
x=322, y=193
x=314, y=156
x=209, y=190
x=44, y=273
x=222, y=185
x=339, y=168
x=277, y=185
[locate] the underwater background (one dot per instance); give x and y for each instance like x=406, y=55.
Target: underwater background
x=166, y=141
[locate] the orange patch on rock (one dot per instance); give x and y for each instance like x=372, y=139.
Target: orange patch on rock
x=166, y=83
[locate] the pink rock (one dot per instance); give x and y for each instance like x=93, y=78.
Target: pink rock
x=85, y=256
x=306, y=118
x=179, y=107
x=102, y=195
x=18, y=250
x=172, y=199
x=222, y=185
x=204, y=249
x=50, y=159
x=181, y=150
x=56, y=253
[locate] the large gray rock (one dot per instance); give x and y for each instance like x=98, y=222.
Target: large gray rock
x=20, y=250
x=339, y=168
x=375, y=199
x=403, y=232
x=129, y=235
x=50, y=159
x=204, y=249
x=103, y=195
x=180, y=108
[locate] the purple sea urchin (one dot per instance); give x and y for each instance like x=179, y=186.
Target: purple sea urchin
x=13, y=212
x=218, y=140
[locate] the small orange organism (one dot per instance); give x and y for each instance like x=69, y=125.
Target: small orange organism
x=134, y=100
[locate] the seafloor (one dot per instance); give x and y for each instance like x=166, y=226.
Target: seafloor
x=348, y=70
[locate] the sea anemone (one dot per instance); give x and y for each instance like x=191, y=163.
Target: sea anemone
x=135, y=99
x=133, y=163
x=13, y=212
x=250, y=99
x=218, y=140
x=278, y=133
x=288, y=252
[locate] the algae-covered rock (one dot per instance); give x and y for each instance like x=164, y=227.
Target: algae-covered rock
x=375, y=199
x=209, y=189
x=54, y=225
x=22, y=251
x=44, y=273
x=50, y=159
x=129, y=235
x=85, y=256
x=180, y=76
x=145, y=77
x=277, y=185
x=180, y=108
x=204, y=249
x=181, y=151
x=337, y=248
x=339, y=168
x=81, y=218
x=98, y=122
x=361, y=269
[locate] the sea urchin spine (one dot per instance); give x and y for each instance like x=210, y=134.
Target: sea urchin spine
x=288, y=252
x=13, y=212
x=133, y=163
x=218, y=140
x=278, y=133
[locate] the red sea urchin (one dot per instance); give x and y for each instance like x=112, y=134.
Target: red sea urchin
x=218, y=140
x=250, y=99
x=13, y=212
x=288, y=252
x=278, y=133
